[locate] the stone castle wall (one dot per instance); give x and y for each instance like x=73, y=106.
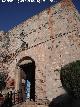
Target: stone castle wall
x=51, y=39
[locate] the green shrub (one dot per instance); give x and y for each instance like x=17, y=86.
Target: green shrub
x=70, y=78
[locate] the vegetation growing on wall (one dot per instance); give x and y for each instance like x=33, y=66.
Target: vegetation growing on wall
x=2, y=81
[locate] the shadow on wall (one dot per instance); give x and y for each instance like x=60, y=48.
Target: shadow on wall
x=70, y=79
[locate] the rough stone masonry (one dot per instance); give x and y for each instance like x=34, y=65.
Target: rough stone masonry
x=50, y=38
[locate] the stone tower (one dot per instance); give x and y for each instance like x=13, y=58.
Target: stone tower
x=36, y=48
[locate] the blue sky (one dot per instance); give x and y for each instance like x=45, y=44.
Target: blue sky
x=14, y=13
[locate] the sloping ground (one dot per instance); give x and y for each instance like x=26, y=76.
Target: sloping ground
x=29, y=104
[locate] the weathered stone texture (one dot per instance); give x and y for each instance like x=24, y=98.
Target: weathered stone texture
x=51, y=39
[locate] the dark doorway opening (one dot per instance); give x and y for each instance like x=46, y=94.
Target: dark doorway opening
x=29, y=70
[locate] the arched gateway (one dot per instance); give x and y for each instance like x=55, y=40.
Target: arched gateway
x=27, y=77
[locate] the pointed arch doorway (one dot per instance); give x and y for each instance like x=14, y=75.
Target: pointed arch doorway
x=27, y=77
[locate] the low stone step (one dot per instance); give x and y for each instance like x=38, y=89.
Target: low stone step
x=29, y=104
